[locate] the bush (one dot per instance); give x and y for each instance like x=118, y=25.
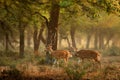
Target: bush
x=74, y=72
x=42, y=61
x=8, y=53
x=12, y=74
x=112, y=51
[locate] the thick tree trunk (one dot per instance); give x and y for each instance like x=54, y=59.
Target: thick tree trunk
x=53, y=25
x=72, y=33
x=52, y=38
x=22, y=45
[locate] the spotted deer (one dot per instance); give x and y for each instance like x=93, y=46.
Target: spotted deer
x=89, y=54
x=59, y=54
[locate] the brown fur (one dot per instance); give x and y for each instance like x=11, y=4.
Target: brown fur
x=59, y=54
x=88, y=54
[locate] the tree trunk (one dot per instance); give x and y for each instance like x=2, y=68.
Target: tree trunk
x=101, y=41
x=43, y=40
x=88, y=41
x=37, y=37
x=29, y=37
x=60, y=40
x=72, y=33
x=22, y=45
x=65, y=38
x=52, y=38
x=115, y=41
x=96, y=41
x=106, y=45
x=53, y=25
x=68, y=42
x=6, y=39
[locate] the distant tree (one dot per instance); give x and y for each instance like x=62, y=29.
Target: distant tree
x=37, y=37
x=7, y=32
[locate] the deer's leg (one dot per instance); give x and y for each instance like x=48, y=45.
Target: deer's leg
x=82, y=63
x=99, y=63
x=65, y=60
x=79, y=61
x=55, y=62
x=93, y=64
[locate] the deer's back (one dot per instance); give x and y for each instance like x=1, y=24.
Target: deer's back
x=60, y=54
x=87, y=54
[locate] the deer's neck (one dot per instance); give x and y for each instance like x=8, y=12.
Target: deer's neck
x=51, y=50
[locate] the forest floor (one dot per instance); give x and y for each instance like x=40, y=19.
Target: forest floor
x=110, y=70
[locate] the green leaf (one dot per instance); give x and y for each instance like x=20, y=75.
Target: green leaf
x=65, y=3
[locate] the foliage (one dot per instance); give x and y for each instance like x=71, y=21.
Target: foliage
x=112, y=51
x=13, y=73
x=10, y=58
x=42, y=61
x=65, y=3
x=110, y=6
x=74, y=72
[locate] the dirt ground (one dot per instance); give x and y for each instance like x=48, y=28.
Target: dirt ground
x=110, y=70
